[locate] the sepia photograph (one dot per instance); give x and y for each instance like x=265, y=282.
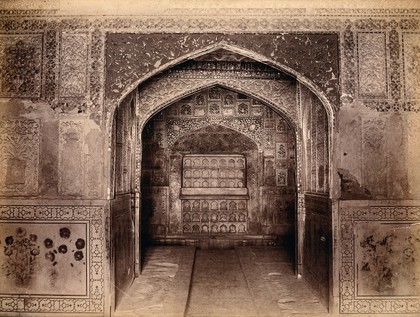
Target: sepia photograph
x=214, y=158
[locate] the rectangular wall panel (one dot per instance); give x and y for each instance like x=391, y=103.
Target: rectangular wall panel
x=19, y=157
x=379, y=250
x=73, y=62
x=21, y=65
x=52, y=259
x=372, y=65
x=71, y=157
x=42, y=258
x=411, y=65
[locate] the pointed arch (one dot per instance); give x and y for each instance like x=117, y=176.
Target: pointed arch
x=329, y=107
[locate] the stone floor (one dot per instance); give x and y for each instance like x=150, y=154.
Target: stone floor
x=162, y=289
x=246, y=282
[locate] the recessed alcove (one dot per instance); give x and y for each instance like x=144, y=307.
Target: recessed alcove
x=226, y=163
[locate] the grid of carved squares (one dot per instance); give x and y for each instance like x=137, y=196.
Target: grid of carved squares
x=213, y=172
x=214, y=216
x=216, y=102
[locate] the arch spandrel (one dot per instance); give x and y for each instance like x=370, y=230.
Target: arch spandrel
x=304, y=56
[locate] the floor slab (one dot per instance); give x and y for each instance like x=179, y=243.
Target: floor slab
x=162, y=288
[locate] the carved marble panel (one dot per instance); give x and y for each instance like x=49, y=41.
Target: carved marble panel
x=372, y=65
x=155, y=209
x=315, y=125
x=413, y=155
x=56, y=253
x=378, y=259
x=214, y=171
x=73, y=64
x=251, y=127
x=20, y=65
x=71, y=158
x=214, y=216
x=395, y=71
x=44, y=258
x=19, y=157
x=348, y=69
x=411, y=65
x=374, y=159
x=387, y=259
x=50, y=66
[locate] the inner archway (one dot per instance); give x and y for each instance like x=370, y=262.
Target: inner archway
x=225, y=165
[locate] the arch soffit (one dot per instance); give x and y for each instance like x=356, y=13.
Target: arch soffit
x=330, y=109
x=279, y=95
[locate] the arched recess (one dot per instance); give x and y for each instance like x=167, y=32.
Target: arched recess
x=307, y=82
x=182, y=164
x=157, y=93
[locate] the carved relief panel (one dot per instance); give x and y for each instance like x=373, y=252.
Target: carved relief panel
x=206, y=180
x=213, y=171
x=213, y=216
x=20, y=64
x=19, y=157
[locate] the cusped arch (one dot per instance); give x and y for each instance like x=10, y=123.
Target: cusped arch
x=330, y=109
x=244, y=139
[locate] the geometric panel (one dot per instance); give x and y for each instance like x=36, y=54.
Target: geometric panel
x=214, y=216
x=56, y=253
x=213, y=171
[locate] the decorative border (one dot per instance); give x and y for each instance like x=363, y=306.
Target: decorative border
x=348, y=303
x=40, y=304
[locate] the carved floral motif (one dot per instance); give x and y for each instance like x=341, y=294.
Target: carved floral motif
x=357, y=245
x=372, y=65
x=20, y=65
x=73, y=59
x=21, y=251
x=412, y=65
x=19, y=157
